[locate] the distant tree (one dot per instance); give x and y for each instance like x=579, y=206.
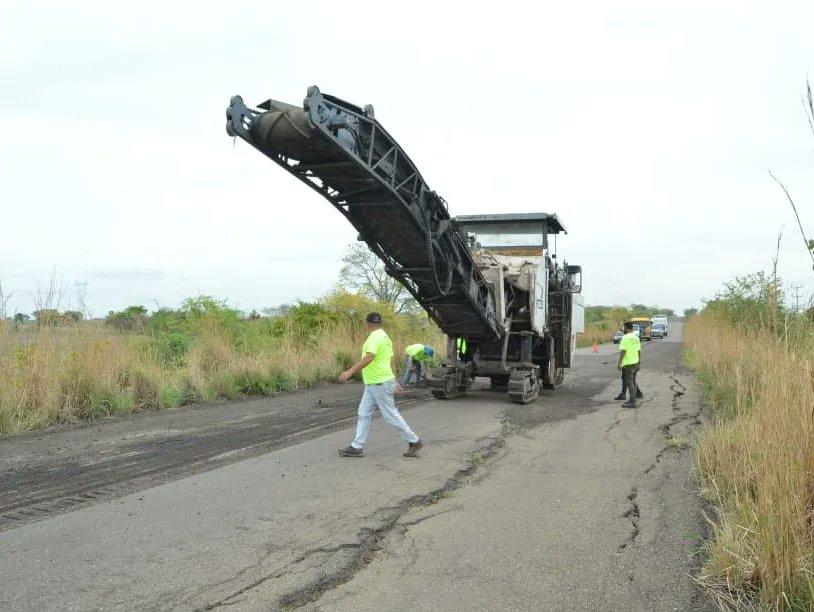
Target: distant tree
x=208, y=307
x=277, y=311
x=254, y=315
x=752, y=301
x=689, y=312
x=21, y=317
x=71, y=316
x=46, y=317
x=364, y=272
x=132, y=318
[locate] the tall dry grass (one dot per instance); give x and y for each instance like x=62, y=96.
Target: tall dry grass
x=756, y=460
x=83, y=372
x=597, y=333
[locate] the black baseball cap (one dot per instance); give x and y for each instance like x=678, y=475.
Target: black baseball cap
x=373, y=317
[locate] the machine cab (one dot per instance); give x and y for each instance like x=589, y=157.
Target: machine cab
x=512, y=251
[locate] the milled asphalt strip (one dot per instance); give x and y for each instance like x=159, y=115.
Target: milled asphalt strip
x=108, y=485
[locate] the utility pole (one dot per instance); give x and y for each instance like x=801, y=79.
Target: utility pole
x=797, y=297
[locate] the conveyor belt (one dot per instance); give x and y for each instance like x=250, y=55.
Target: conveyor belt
x=342, y=152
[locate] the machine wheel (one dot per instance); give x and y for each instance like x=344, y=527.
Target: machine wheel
x=552, y=375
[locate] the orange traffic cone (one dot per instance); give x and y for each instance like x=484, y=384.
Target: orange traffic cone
x=596, y=348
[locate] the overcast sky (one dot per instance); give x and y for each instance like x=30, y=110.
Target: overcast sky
x=648, y=130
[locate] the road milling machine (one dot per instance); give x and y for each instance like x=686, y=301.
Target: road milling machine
x=492, y=283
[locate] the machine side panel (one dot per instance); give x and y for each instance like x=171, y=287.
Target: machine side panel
x=577, y=313
x=494, y=276
x=540, y=297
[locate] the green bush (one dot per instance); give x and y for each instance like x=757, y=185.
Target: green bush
x=179, y=393
x=170, y=396
x=171, y=348
x=343, y=360
x=249, y=382
x=84, y=396
x=221, y=385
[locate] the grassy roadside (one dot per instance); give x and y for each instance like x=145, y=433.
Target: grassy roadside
x=203, y=351
x=756, y=457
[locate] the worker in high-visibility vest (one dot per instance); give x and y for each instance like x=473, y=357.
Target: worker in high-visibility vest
x=414, y=355
x=460, y=344
x=380, y=385
x=630, y=360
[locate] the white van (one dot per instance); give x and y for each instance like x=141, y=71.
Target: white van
x=660, y=320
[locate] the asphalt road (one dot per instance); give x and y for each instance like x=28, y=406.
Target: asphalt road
x=571, y=502
x=49, y=473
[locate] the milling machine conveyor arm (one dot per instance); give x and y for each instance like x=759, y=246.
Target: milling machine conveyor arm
x=342, y=152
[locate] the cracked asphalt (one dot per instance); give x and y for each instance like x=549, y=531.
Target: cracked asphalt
x=571, y=502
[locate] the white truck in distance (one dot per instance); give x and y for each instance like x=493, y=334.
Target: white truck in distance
x=659, y=325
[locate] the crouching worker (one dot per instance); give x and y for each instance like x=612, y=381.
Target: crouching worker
x=380, y=385
x=630, y=350
x=414, y=355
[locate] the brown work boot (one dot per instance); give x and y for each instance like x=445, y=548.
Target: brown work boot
x=413, y=448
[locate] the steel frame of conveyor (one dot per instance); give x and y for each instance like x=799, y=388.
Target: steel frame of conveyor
x=411, y=192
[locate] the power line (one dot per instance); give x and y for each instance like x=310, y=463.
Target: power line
x=797, y=297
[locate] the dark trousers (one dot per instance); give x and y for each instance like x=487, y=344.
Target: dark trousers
x=624, y=389
x=629, y=381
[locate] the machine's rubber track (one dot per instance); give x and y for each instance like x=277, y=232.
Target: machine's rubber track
x=443, y=394
x=524, y=385
x=448, y=386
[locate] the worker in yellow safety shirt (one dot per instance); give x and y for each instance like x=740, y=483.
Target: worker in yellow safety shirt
x=460, y=344
x=380, y=385
x=630, y=359
x=623, y=393
x=414, y=355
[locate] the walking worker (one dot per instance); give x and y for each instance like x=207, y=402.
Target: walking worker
x=630, y=351
x=413, y=356
x=380, y=385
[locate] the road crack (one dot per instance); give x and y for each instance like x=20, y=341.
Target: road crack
x=424, y=518
x=351, y=557
x=633, y=513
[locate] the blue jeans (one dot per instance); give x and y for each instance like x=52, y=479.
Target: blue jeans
x=381, y=397
x=409, y=364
